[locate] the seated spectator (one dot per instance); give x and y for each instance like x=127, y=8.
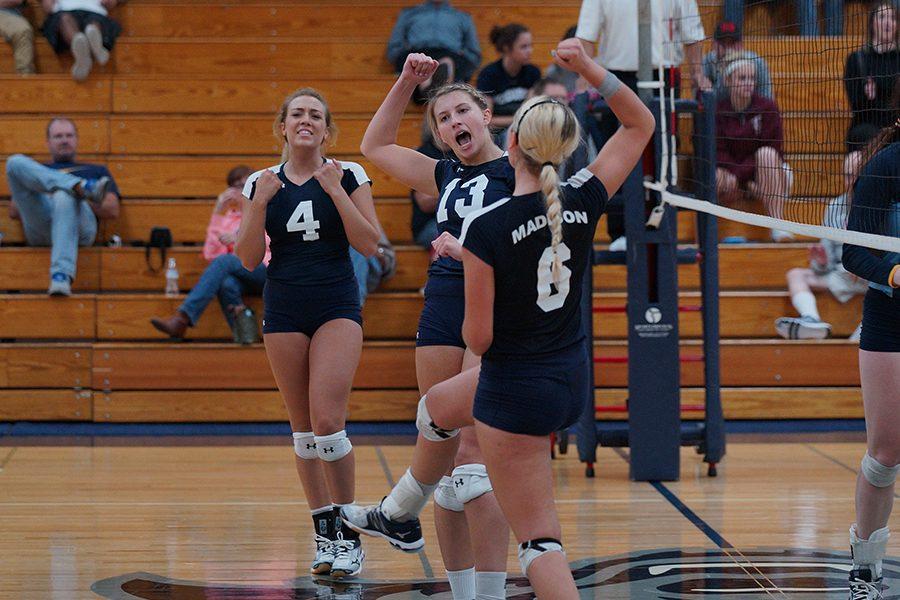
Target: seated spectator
x=424, y=207
x=870, y=72
x=82, y=27
x=825, y=270
x=16, y=30
x=807, y=16
x=227, y=279
x=442, y=32
x=371, y=271
x=727, y=46
x=506, y=82
x=566, y=77
x=59, y=202
x=749, y=144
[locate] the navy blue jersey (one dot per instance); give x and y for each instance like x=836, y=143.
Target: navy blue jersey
x=463, y=190
x=533, y=316
x=86, y=171
x=508, y=92
x=308, y=242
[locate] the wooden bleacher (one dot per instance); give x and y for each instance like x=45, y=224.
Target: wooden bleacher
x=191, y=91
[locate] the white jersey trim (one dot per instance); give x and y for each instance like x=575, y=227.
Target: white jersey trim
x=248, y=186
x=579, y=179
x=358, y=172
x=474, y=215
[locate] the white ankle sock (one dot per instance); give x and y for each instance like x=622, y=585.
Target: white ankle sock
x=805, y=303
x=870, y=552
x=462, y=584
x=490, y=585
x=407, y=499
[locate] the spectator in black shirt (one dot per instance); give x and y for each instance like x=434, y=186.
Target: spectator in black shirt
x=506, y=82
x=870, y=72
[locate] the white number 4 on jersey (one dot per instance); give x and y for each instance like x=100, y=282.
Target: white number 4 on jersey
x=302, y=220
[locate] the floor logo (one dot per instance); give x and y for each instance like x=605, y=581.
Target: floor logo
x=670, y=574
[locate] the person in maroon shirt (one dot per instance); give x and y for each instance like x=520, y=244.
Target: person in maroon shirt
x=749, y=142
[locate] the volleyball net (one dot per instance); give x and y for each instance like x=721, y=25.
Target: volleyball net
x=797, y=108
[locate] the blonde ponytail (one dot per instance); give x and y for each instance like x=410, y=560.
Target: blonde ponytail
x=546, y=138
x=550, y=190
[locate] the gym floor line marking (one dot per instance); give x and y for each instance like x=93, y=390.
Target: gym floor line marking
x=709, y=531
x=7, y=458
x=839, y=463
x=423, y=557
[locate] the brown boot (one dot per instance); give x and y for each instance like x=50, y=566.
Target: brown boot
x=174, y=326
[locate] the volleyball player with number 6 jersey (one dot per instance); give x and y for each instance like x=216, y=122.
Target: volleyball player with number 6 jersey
x=313, y=209
x=525, y=259
x=472, y=532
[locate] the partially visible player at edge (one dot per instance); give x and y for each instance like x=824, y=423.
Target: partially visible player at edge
x=525, y=260
x=472, y=532
x=876, y=209
x=313, y=208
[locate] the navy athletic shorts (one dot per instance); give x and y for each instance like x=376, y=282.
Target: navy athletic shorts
x=292, y=309
x=440, y=323
x=880, y=322
x=533, y=396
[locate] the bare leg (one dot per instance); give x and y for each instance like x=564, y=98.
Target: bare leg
x=726, y=187
x=519, y=467
x=68, y=28
x=288, y=357
x=880, y=377
x=333, y=357
x=488, y=528
x=771, y=182
x=435, y=364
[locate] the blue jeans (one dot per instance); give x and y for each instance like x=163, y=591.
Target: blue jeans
x=368, y=273
x=806, y=16
x=51, y=215
x=427, y=234
x=226, y=278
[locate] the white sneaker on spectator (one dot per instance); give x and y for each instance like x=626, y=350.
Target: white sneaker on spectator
x=60, y=285
x=802, y=328
x=620, y=244
x=81, y=50
x=95, y=41
x=780, y=235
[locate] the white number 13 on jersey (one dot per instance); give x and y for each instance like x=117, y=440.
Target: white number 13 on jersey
x=302, y=220
x=549, y=300
x=463, y=206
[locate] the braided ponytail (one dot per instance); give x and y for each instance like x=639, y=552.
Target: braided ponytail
x=550, y=189
x=546, y=138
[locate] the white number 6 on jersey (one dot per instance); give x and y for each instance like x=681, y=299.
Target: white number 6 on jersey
x=547, y=299
x=302, y=220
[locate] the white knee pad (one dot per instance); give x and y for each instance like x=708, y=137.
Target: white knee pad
x=532, y=549
x=445, y=495
x=305, y=445
x=877, y=474
x=470, y=482
x=333, y=447
x=429, y=430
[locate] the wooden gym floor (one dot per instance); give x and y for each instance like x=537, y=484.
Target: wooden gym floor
x=175, y=519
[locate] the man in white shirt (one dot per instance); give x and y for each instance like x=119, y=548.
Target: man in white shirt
x=676, y=31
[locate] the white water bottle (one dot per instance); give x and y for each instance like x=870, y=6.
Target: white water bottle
x=172, y=279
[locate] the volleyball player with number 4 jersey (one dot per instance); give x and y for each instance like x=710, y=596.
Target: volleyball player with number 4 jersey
x=524, y=260
x=471, y=529
x=313, y=209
